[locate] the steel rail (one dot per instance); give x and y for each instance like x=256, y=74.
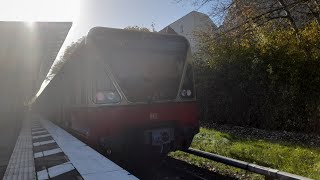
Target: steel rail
x=267, y=172
x=189, y=173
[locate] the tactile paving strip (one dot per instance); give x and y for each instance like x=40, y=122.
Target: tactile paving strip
x=21, y=164
x=45, y=152
x=50, y=161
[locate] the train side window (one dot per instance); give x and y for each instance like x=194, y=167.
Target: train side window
x=83, y=93
x=73, y=96
x=73, y=90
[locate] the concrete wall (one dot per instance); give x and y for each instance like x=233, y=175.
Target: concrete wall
x=26, y=55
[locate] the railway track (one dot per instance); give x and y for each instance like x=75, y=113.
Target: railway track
x=168, y=168
x=269, y=173
x=165, y=168
x=191, y=171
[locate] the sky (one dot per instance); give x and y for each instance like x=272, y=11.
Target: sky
x=86, y=14
x=89, y=13
x=123, y=13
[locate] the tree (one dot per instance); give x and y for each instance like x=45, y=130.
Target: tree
x=262, y=66
x=265, y=79
x=137, y=28
x=236, y=14
x=65, y=57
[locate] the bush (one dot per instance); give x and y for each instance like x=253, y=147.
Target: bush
x=267, y=78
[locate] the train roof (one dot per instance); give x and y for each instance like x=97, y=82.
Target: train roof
x=99, y=31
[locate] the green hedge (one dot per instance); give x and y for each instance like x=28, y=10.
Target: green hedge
x=266, y=78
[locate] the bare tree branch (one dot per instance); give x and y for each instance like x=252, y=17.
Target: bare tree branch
x=236, y=13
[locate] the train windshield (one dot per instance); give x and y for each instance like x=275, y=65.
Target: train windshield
x=148, y=67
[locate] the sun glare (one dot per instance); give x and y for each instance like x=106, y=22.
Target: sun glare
x=30, y=24
x=39, y=10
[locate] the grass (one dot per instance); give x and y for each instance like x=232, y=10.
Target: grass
x=304, y=161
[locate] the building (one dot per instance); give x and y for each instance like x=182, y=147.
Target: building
x=189, y=25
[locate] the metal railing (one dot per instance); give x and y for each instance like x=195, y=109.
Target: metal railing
x=267, y=172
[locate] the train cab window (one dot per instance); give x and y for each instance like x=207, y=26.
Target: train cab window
x=149, y=72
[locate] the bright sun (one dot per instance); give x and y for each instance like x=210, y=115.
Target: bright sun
x=39, y=10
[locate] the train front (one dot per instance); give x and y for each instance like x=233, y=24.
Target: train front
x=151, y=107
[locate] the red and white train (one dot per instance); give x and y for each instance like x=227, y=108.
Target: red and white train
x=126, y=90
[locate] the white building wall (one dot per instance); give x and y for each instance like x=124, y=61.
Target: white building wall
x=190, y=24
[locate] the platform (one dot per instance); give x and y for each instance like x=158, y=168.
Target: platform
x=45, y=151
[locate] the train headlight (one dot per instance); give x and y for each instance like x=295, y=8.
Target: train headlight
x=105, y=97
x=111, y=96
x=189, y=92
x=184, y=93
x=100, y=97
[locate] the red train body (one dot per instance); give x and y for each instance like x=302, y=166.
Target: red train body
x=126, y=90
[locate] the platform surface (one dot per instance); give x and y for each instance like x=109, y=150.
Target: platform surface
x=21, y=164
x=45, y=151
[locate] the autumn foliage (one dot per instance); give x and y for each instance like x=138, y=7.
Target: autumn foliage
x=268, y=77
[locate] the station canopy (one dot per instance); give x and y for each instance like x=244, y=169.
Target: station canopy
x=27, y=51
